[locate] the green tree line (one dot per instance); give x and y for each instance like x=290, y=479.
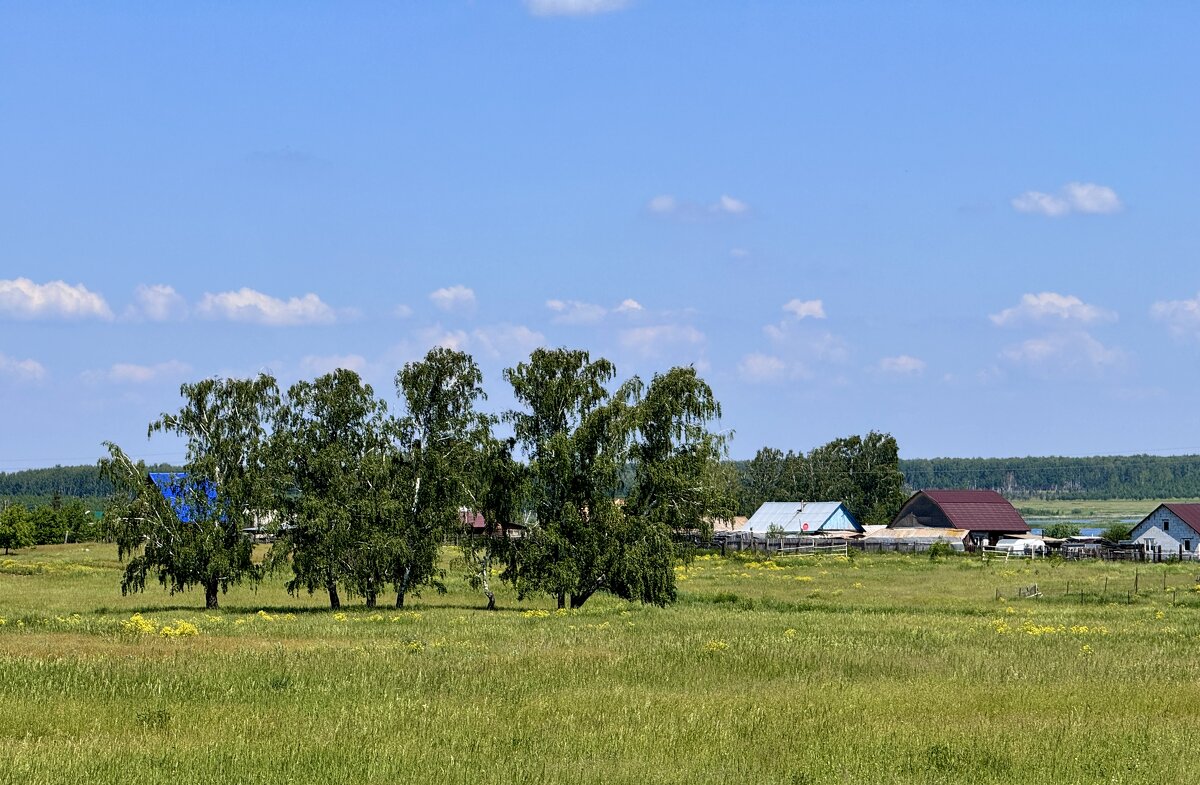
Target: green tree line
x=600, y=477
x=1105, y=477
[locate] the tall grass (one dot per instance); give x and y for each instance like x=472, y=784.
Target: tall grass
x=872, y=669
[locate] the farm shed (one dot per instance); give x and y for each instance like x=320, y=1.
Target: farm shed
x=985, y=514
x=803, y=518
x=1172, y=529
x=918, y=538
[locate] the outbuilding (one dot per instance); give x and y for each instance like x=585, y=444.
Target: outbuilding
x=803, y=518
x=986, y=515
x=1172, y=530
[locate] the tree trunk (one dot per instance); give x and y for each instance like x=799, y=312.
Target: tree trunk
x=403, y=589
x=562, y=600
x=491, y=600
x=371, y=599
x=335, y=602
x=210, y=595
x=399, y=599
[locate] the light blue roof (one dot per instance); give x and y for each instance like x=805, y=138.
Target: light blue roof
x=802, y=518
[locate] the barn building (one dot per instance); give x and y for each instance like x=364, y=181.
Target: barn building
x=803, y=518
x=1172, y=530
x=985, y=515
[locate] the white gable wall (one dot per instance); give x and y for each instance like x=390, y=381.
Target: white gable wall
x=1164, y=529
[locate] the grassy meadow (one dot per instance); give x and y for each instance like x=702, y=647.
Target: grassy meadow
x=872, y=669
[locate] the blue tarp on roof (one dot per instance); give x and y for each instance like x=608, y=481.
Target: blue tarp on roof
x=176, y=489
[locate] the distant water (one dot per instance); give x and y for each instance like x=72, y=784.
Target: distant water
x=1089, y=527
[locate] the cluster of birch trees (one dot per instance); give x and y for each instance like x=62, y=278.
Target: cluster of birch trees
x=603, y=477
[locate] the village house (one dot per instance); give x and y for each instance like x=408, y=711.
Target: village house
x=1171, y=530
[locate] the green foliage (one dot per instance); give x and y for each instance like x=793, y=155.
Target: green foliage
x=1099, y=477
x=862, y=472
x=224, y=422
x=332, y=454
x=440, y=434
x=583, y=444
x=1061, y=530
x=16, y=528
x=939, y=549
x=1117, y=532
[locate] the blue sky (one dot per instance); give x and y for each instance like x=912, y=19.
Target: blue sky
x=971, y=225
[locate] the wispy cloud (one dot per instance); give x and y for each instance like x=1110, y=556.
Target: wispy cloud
x=402, y=311
x=1071, y=198
x=248, y=305
x=669, y=205
x=574, y=7
x=1068, y=354
x=805, y=309
x=457, y=299
x=21, y=298
x=319, y=365
x=654, y=340
x=1182, y=317
x=902, y=365
x=21, y=370
x=133, y=373
x=576, y=312
x=629, y=305
x=759, y=367
x=727, y=204
x=507, y=341
x=1051, y=307
x=157, y=303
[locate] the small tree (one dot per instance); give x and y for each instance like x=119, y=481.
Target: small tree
x=16, y=529
x=198, y=539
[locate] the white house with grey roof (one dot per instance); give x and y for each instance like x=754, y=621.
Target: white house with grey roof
x=803, y=518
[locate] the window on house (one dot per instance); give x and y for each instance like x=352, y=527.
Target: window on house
x=1187, y=545
x=1166, y=526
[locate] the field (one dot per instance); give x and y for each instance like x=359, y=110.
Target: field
x=1102, y=511
x=893, y=669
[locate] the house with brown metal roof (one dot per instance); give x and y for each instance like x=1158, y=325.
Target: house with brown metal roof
x=986, y=515
x=1171, y=530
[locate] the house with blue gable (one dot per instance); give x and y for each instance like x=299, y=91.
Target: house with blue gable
x=803, y=518
x=181, y=494
x=1172, y=530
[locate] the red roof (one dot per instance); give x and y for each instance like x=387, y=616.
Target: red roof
x=979, y=511
x=1188, y=513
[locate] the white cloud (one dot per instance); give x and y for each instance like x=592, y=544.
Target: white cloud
x=805, y=309
x=629, y=306
x=652, y=340
x=319, y=365
x=1072, y=198
x=158, y=303
x=132, y=373
x=902, y=365
x=248, y=305
x=1044, y=204
x=759, y=367
x=508, y=340
x=1051, y=306
x=447, y=339
x=402, y=311
x=576, y=312
x=1072, y=353
x=1182, y=317
x=727, y=204
x=662, y=204
x=1092, y=198
x=573, y=7
x=21, y=370
x=21, y=298
x=454, y=298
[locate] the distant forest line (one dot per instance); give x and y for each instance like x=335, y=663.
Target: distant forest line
x=1105, y=477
